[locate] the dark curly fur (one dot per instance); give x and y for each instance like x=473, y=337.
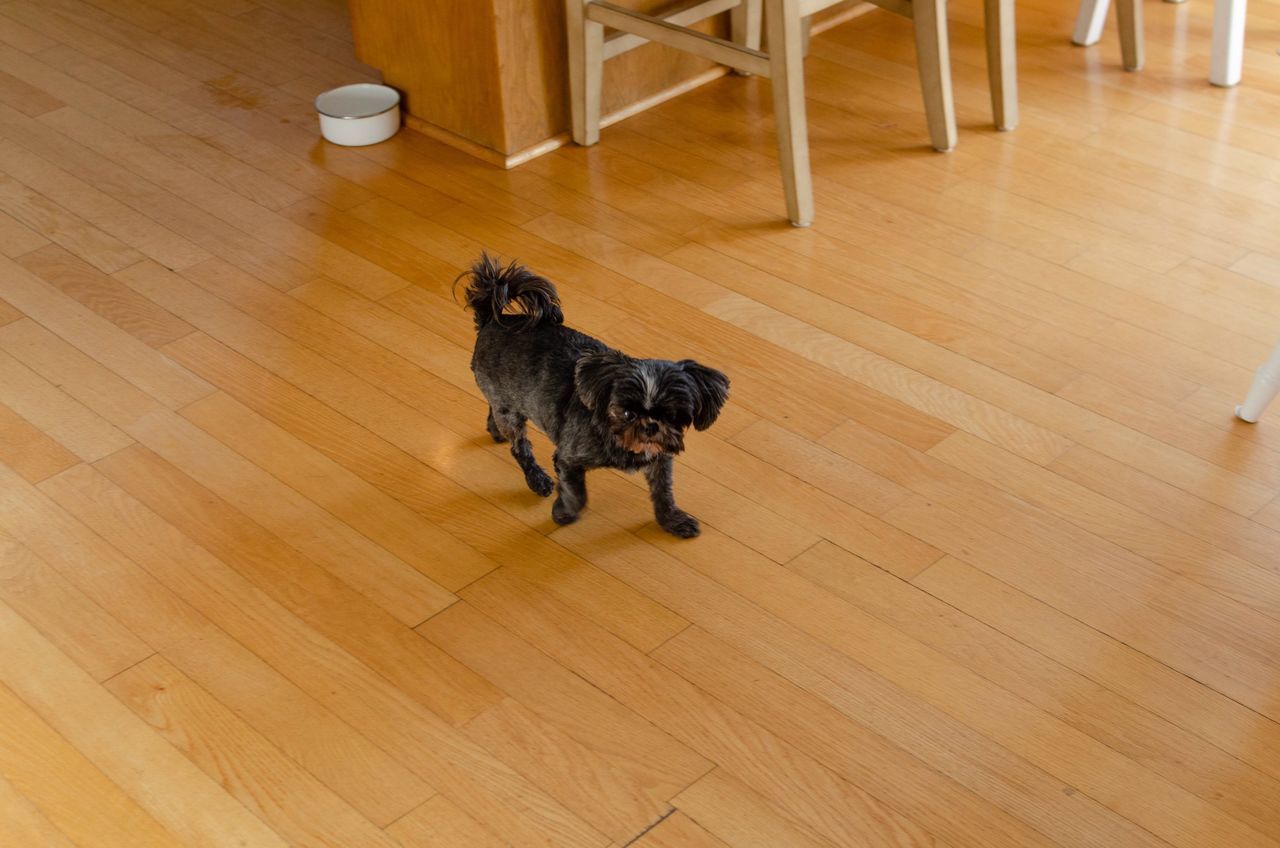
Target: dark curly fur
x=601, y=408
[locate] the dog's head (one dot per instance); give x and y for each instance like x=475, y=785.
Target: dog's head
x=647, y=404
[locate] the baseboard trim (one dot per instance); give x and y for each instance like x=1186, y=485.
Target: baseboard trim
x=842, y=18
x=454, y=140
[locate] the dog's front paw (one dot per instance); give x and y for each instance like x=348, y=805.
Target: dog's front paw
x=561, y=514
x=680, y=523
x=540, y=483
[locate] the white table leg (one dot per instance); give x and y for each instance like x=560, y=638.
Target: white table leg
x=1089, y=21
x=1228, y=42
x=1265, y=386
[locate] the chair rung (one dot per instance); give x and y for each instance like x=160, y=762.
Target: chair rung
x=689, y=14
x=812, y=7
x=899, y=7
x=673, y=35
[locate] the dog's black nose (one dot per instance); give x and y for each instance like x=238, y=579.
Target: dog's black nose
x=650, y=429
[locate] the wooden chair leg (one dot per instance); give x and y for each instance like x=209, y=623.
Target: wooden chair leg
x=745, y=21
x=1002, y=62
x=934, y=59
x=786, y=69
x=1089, y=22
x=1129, y=16
x=745, y=25
x=586, y=68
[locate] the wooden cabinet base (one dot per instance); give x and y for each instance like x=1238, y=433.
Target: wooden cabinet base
x=489, y=76
x=519, y=157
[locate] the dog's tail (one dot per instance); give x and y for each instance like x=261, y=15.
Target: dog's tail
x=492, y=289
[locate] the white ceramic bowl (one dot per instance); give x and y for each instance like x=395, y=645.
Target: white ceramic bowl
x=360, y=114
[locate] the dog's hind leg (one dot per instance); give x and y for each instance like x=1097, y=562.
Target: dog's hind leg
x=510, y=425
x=493, y=428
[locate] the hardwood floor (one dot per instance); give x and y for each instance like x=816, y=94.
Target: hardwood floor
x=986, y=559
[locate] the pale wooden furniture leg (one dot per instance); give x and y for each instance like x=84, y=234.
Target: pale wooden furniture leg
x=934, y=60
x=1129, y=16
x=786, y=69
x=745, y=24
x=787, y=22
x=1265, y=387
x=1093, y=15
x=586, y=68
x=1089, y=22
x=1228, y=42
x=1002, y=61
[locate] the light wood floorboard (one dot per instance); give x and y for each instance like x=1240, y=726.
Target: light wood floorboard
x=986, y=559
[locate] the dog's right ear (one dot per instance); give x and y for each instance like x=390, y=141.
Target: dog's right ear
x=594, y=376
x=712, y=392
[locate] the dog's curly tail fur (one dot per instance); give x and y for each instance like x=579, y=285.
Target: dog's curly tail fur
x=493, y=288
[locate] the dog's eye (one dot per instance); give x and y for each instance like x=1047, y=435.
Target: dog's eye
x=628, y=415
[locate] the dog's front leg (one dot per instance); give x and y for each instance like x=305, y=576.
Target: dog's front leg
x=571, y=488
x=670, y=517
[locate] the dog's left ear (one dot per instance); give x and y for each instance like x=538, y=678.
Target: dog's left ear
x=594, y=376
x=712, y=390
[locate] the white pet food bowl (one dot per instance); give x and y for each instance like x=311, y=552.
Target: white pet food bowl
x=360, y=114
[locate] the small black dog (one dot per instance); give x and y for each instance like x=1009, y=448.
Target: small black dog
x=601, y=408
